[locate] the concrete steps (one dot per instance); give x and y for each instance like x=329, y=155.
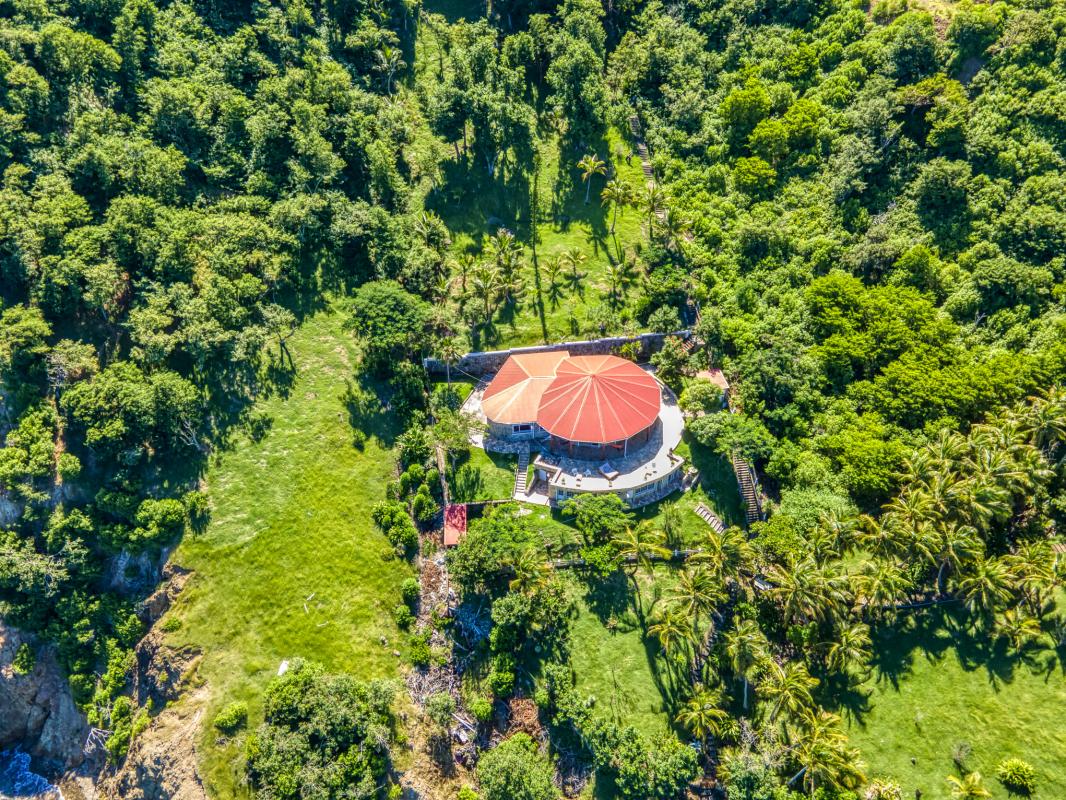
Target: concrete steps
x=521, y=473
x=748, y=490
x=710, y=517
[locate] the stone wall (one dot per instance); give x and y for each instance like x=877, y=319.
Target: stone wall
x=478, y=364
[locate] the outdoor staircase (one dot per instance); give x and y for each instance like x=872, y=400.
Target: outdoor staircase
x=521, y=473
x=710, y=517
x=749, y=489
x=645, y=159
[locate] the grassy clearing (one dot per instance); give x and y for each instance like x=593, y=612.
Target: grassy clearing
x=291, y=564
x=937, y=684
x=482, y=476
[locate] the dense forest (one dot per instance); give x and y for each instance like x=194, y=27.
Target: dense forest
x=865, y=203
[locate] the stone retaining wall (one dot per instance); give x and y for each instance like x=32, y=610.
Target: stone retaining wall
x=478, y=364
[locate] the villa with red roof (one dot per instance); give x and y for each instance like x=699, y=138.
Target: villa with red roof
x=598, y=423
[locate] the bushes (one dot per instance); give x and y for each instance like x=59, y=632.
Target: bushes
x=232, y=717
x=403, y=616
x=395, y=523
x=515, y=770
x=25, y=660
x=410, y=591
x=321, y=730
x=1017, y=775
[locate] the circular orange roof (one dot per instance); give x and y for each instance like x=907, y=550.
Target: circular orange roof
x=598, y=399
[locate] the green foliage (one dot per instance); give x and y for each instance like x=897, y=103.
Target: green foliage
x=25, y=659
x=1017, y=775
x=231, y=717
x=515, y=770
x=390, y=323
x=440, y=707
x=599, y=517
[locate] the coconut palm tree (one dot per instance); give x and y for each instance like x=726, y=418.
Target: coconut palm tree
x=746, y=648
x=449, y=352
x=879, y=587
x=1032, y=571
x=672, y=229
x=670, y=521
x=703, y=717
x=618, y=194
x=1017, y=628
x=851, y=646
x=787, y=688
x=652, y=200
x=672, y=630
x=824, y=756
x=486, y=285
x=531, y=571
x=573, y=258
x=808, y=590
x=985, y=585
x=388, y=61
x=696, y=593
x=968, y=787
x=637, y=547
x=728, y=554
x=948, y=546
x=553, y=266
x=590, y=165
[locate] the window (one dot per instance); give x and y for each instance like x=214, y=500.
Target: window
x=524, y=428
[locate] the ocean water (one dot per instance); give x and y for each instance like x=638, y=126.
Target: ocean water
x=19, y=782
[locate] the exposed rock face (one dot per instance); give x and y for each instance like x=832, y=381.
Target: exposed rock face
x=37, y=710
x=162, y=763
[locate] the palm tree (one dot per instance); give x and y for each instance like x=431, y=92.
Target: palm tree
x=652, y=200
x=590, y=165
x=968, y=787
x=787, y=688
x=746, y=647
x=948, y=546
x=1017, y=628
x=703, y=717
x=531, y=571
x=880, y=586
x=851, y=646
x=670, y=522
x=729, y=554
x=672, y=228
x=985, y=586
x=672, y=631
x=824, y=756
x=553, y=266
x=449, y=352
x=1032, y=570
x=696, y=593
x=638, y=547
x=574, y=257
x=464, y=265
x=808, y=590
x=486, y=284
x=388, y=61
x=619, y=194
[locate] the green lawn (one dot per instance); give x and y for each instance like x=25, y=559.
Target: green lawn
x=937, y=685
x=482, y=476
x=290, y=564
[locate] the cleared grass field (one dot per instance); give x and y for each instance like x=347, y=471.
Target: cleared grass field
x=936, y=686
x=291, y=564
x=482, y=476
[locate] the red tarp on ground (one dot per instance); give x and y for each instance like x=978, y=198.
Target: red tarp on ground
x=454, y=523
x=599, y=399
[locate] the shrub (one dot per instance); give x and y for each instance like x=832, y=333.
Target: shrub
x=403, y=616
x=232, y=717
x=25, y=660
x=410, y=590
x=515, y=770
x=419, y=653
x=1017, y=775
x=480, y=707
x=440, y=707
x=466, y=793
